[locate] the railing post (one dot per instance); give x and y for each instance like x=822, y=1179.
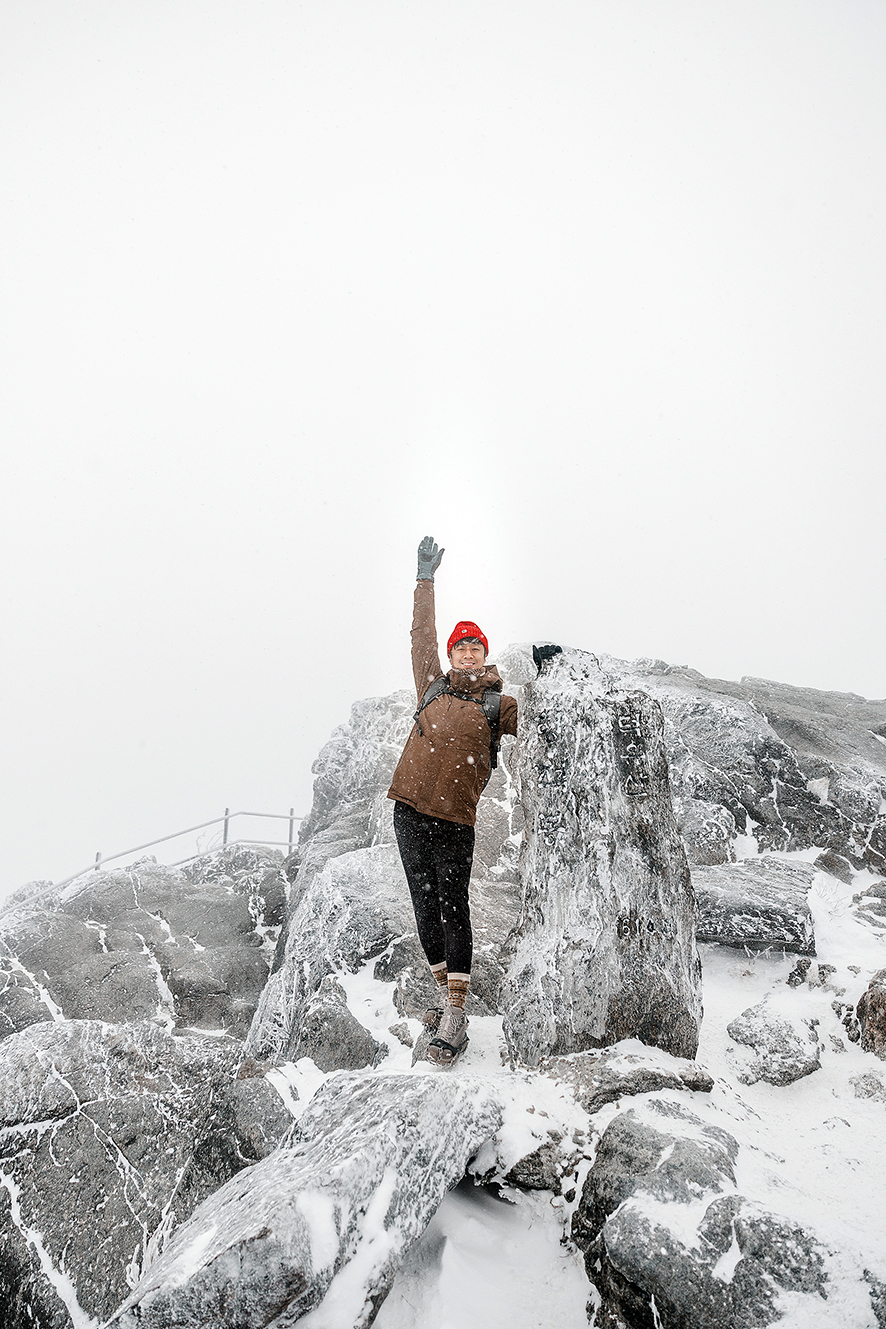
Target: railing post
x=98, y=860
x=291, y=825
x=225, y=836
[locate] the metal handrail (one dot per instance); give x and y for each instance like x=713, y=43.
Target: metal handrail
x=149, y=844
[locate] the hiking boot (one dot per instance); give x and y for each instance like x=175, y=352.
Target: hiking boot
x=432, y=1017
x=452, y=1037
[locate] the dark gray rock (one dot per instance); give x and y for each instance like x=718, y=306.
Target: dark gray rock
x=327, y=1219
x=871, y=1013
x=542, y=1170
x=868, y=1085
x=605, y=948
x=758, y=903
x=125, y=1130
x=333, y=1037
x=659, y=1221
x=785, y=1046
x=798, y=975
x=186, y=948
x=598, y=1078
x=836, y=865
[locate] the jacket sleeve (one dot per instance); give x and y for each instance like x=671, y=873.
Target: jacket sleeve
x=508, y=715
x=425, y=652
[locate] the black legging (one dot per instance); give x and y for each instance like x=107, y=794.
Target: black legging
x=437, y=857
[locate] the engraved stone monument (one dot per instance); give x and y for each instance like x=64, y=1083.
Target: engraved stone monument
x=605, y=946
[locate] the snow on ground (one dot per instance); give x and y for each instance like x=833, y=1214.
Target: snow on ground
x=490, y=1262
x=813, y=1151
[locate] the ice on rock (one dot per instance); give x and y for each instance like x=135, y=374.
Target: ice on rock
x=318, y=1230
x=605, y=949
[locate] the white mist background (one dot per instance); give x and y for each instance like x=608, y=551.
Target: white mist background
x=593, y=293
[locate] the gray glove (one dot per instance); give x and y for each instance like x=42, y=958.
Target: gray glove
x=429, y=557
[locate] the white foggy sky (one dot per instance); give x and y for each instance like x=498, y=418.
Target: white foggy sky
x=592, y=292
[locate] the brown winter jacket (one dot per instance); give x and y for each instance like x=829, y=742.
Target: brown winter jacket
x=443, y=769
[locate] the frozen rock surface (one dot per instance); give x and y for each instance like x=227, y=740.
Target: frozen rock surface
x=792, y=767
x=661, y=1223
x=348, y=912
x=188, y=947
x=122, y=1130
x=324, y=1223
x=757, y=902
x=605, y=949
x=785, y=1045
x=598, y=1078
x=871, y=1013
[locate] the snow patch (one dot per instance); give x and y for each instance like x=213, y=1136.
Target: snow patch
x=348, y=1293
x=318, y=1211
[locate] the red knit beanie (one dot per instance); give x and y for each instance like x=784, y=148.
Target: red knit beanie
x=466, y=629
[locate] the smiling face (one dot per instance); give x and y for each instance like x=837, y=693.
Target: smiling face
x=468, y=654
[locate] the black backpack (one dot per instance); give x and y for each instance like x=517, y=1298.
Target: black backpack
x=490, y=706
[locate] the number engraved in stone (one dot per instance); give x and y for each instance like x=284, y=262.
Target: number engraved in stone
x=635, y=927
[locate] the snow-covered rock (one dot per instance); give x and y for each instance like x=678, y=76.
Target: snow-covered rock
x=670, y=1242
x=186, y=947
x=605, y=949
x=792, y=767
x=348, y=912
x=109, y=1136
x=871, y=1013
x=598, y=1078
x=756, y=902
x=783, y=1043
x=315, y=1233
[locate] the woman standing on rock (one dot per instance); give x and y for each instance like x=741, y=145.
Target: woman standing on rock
x=436, y=787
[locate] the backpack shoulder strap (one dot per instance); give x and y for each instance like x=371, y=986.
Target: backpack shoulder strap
x=434, y=690
x=491, y=704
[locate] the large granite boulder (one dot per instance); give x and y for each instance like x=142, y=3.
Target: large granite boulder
x=758, y=903
x=188, y=948
x=605, y=948
x=325, y=1222
x=109, y=1137
x=668, y=1241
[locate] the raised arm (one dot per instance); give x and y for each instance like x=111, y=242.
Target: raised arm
x=425, y=652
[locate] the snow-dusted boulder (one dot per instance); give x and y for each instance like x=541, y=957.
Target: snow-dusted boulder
x=669, y=1242
x=188, y=947
x=325, y=1221
x=793, y=767
x=871, y=1013
x=598, y=1078
x=758, y=903
x=346, y=913
x=784, y=1046
x=332, y=1036
x=605, y=949
x=109, y=1136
